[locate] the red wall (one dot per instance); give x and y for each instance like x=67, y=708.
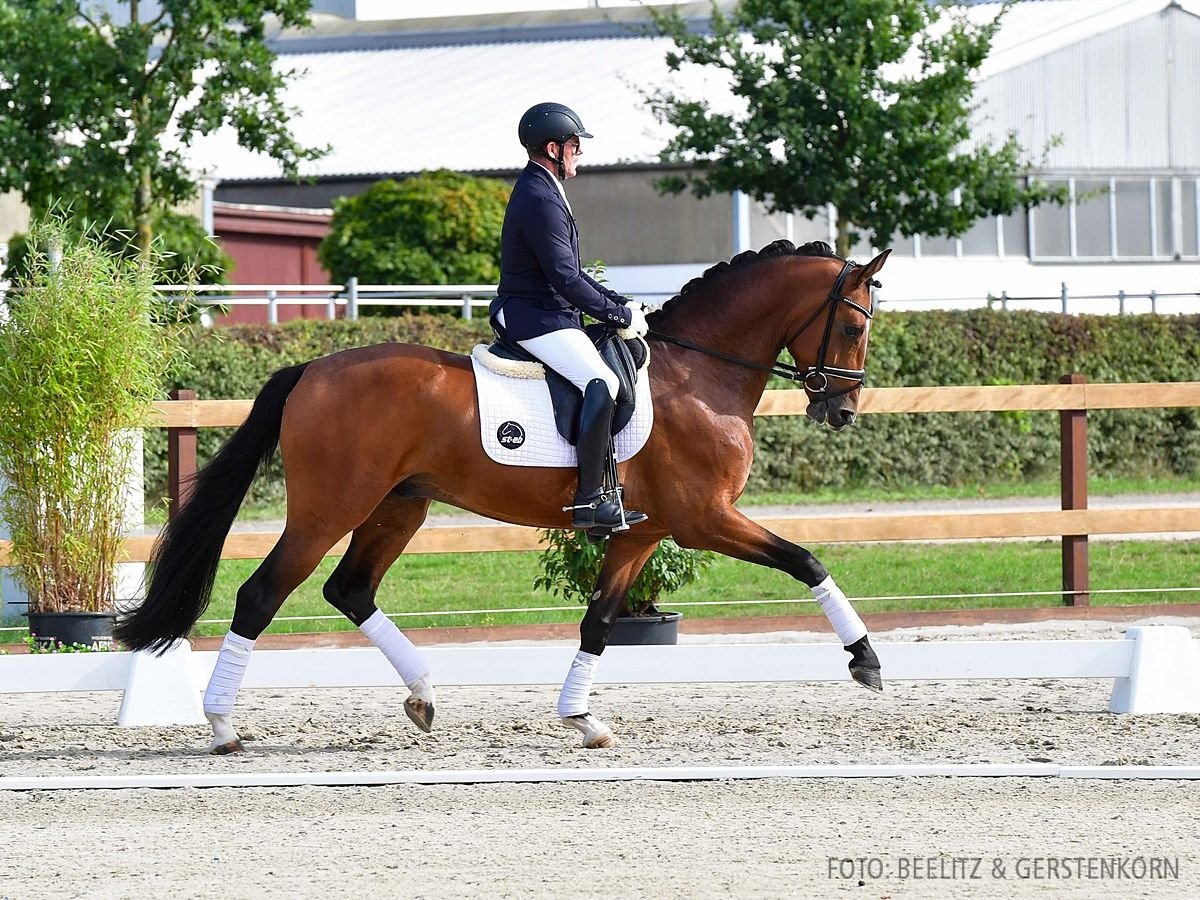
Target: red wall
x=272, y=245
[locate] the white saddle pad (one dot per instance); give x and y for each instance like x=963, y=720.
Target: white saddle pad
x=516, y=419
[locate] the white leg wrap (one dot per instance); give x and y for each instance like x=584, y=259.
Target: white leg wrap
x=227, y=675
x=841, y=614
x=406, y=659
x=573, y=699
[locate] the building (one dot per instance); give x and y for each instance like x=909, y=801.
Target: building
x=1110, y=78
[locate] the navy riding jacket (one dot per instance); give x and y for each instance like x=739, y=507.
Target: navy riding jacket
x=542, y=287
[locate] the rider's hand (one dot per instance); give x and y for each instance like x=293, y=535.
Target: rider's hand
x=637, y=326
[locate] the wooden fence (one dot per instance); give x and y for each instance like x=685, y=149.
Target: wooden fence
x=1074, y=522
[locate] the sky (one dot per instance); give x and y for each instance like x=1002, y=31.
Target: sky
x=408, y=9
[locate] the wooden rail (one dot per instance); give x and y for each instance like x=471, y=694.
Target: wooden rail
x=192, y=413
x=1073, y=523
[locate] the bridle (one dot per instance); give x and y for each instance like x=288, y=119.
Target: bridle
x=815, y=378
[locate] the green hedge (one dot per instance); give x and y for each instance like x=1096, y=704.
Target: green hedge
x=994, y=348
x=911, y=348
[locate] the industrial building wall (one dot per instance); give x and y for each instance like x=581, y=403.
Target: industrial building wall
x=624, y=220
x=1120, y=101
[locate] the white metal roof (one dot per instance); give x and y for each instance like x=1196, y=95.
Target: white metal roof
x=415, y=101
x=1035, y=28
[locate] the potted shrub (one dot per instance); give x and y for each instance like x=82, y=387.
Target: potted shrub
x=571, y=566
x=83, y=353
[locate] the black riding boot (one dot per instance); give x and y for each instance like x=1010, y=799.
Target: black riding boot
x=592, y=509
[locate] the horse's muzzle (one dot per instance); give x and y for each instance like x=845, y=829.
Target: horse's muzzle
x=835, y=415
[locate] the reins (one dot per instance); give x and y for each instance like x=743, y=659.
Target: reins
x=815, y=378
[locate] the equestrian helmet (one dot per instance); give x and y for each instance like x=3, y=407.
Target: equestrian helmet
x=549, y=122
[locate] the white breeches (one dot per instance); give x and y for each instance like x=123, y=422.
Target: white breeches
x=572, y=355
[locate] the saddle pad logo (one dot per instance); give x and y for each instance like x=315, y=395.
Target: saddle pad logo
x=510, y=435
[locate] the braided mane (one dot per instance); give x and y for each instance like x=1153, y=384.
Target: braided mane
x=741, y=261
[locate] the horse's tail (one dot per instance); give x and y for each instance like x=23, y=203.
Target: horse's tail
x=184, y=561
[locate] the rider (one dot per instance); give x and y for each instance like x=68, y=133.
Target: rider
x=543, y=290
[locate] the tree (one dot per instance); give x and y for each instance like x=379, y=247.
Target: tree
x=95, y=111
x=440, y=227
x=864, y=104
x=184, y=253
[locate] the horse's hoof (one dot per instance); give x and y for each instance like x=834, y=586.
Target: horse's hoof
x=868, y=678
x=605, y=741
x=421, y=713
x=234, y=746
x=596, y=735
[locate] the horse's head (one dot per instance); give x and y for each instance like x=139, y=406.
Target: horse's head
x=830, y=344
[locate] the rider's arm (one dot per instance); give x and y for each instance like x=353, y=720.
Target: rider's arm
x=549, y=233
x=606, y=291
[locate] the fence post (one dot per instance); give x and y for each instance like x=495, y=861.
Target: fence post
x=1065, y=298
x=1004, y=300
x=272, y=307
x=1121, y=302
x=466, y=307
x=352, y=298
x=181, y=459
x=1153, y=302
x=1074, y=496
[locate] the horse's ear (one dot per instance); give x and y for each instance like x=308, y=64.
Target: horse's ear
x=865, y=274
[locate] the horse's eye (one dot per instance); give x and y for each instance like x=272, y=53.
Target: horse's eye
x=853, y=331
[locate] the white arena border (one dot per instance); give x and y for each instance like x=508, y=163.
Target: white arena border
x=560, y=775
x=1156, y=669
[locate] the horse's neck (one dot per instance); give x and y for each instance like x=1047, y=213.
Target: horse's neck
x=742, y=320
x=737, y=326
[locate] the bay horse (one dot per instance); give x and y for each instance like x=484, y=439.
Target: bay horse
x=370, y=436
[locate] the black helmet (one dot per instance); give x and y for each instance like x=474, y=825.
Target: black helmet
x=549, y=122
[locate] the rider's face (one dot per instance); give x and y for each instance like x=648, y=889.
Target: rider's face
x=571, y=151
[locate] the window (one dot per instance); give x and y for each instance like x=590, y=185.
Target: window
x=1190, y=207
x=1133, y=218
x=1051, y=228
x=1016, y=233
x=980, y=238
x=1104, y=218
x=1093, y=225
x=1164, y=242
x=901, y=246
x=938, y=246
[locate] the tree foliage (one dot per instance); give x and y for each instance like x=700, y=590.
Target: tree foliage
x=96, y=109
x=865, y=104
x=437, y=228
x=185, y=254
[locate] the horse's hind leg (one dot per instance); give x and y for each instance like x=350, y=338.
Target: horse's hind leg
x=351, y=589
x=258, y=600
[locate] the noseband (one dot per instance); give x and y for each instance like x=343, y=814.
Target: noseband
x=814, y=378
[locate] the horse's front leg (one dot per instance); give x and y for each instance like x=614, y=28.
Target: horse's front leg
x=732, y=534
x=623, y=561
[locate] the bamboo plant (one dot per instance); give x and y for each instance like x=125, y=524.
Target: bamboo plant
x=84, y=349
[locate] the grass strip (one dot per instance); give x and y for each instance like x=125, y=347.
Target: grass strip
x=428, y=584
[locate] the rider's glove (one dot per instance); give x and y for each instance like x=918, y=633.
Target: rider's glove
x=637, y=326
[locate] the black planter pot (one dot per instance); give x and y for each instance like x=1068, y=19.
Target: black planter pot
x=92, y=629
x=659, y=628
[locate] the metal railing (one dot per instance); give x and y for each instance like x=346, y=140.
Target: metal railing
x=346, y=300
